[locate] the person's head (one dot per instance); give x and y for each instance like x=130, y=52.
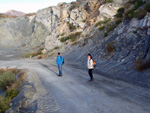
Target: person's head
x=58, y=53
x=89, y=56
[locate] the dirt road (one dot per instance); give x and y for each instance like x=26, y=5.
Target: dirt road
x=73, y=93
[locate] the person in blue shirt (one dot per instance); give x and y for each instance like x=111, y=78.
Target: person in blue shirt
x=59, y=62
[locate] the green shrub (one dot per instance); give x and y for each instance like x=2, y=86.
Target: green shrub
x=98, y=23
x=37, y=53
x=102, y=22
x=26, y=55
x=120, y=12
x=102, y=28
x=118, y=21
x=140, y=14
x=4, y=104
x=132, y=12
x=84, y=21
x=105, y=34
x=57, y=47
x=72, y=37
x=64, y=39
x=6, y=79
x=71, y=27
x=129, y=14
x=108, y=1
x=147, y=6
x=11, y=93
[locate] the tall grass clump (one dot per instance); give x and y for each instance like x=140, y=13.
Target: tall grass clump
x=6, y=79
x=10, y=86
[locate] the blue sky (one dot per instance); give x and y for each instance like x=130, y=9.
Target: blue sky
x=28, y=6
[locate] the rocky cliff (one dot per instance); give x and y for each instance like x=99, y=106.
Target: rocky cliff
x=113, y=31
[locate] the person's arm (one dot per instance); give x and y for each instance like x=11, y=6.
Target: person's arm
x=57, y=60
x=91, y=63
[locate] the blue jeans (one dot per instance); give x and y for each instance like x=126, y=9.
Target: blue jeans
x=60, y=69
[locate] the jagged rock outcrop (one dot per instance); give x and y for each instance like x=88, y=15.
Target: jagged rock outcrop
x=108, y=10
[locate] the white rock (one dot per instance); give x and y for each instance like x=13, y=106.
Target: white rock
x=134, y=23
x=107, y=9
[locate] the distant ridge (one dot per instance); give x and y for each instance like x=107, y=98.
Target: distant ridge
x=14, y=13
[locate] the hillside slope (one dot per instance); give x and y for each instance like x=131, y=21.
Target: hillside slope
x=14, y=13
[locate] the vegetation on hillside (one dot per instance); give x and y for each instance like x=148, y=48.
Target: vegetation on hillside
x=72, y=37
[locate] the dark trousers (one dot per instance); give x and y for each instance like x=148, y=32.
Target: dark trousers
x=90, y=73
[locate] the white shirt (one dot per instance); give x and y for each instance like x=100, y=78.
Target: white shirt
x=90, y=64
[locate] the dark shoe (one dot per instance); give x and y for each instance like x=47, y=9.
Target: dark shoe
x=91, y=80
x=60, y=75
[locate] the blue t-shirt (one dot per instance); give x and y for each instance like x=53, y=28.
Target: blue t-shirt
x=59, y=60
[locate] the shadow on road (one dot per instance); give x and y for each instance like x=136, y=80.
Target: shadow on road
x=45, y=66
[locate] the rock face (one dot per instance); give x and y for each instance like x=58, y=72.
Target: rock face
x=21, y=31
x=48, y=25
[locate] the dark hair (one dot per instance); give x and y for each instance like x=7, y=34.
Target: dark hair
x=90, y=55
x=58, y=53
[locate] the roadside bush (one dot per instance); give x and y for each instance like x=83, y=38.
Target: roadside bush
x=4, y=104
x=10, y=94
x=110, y=47
x=27, y=55
x=13, y=86
x=6, y=79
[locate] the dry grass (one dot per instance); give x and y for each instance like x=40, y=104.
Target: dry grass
x=30, y=14
x=6, y=16
x=51, y=54
x=141, y=65
x=110, y=47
